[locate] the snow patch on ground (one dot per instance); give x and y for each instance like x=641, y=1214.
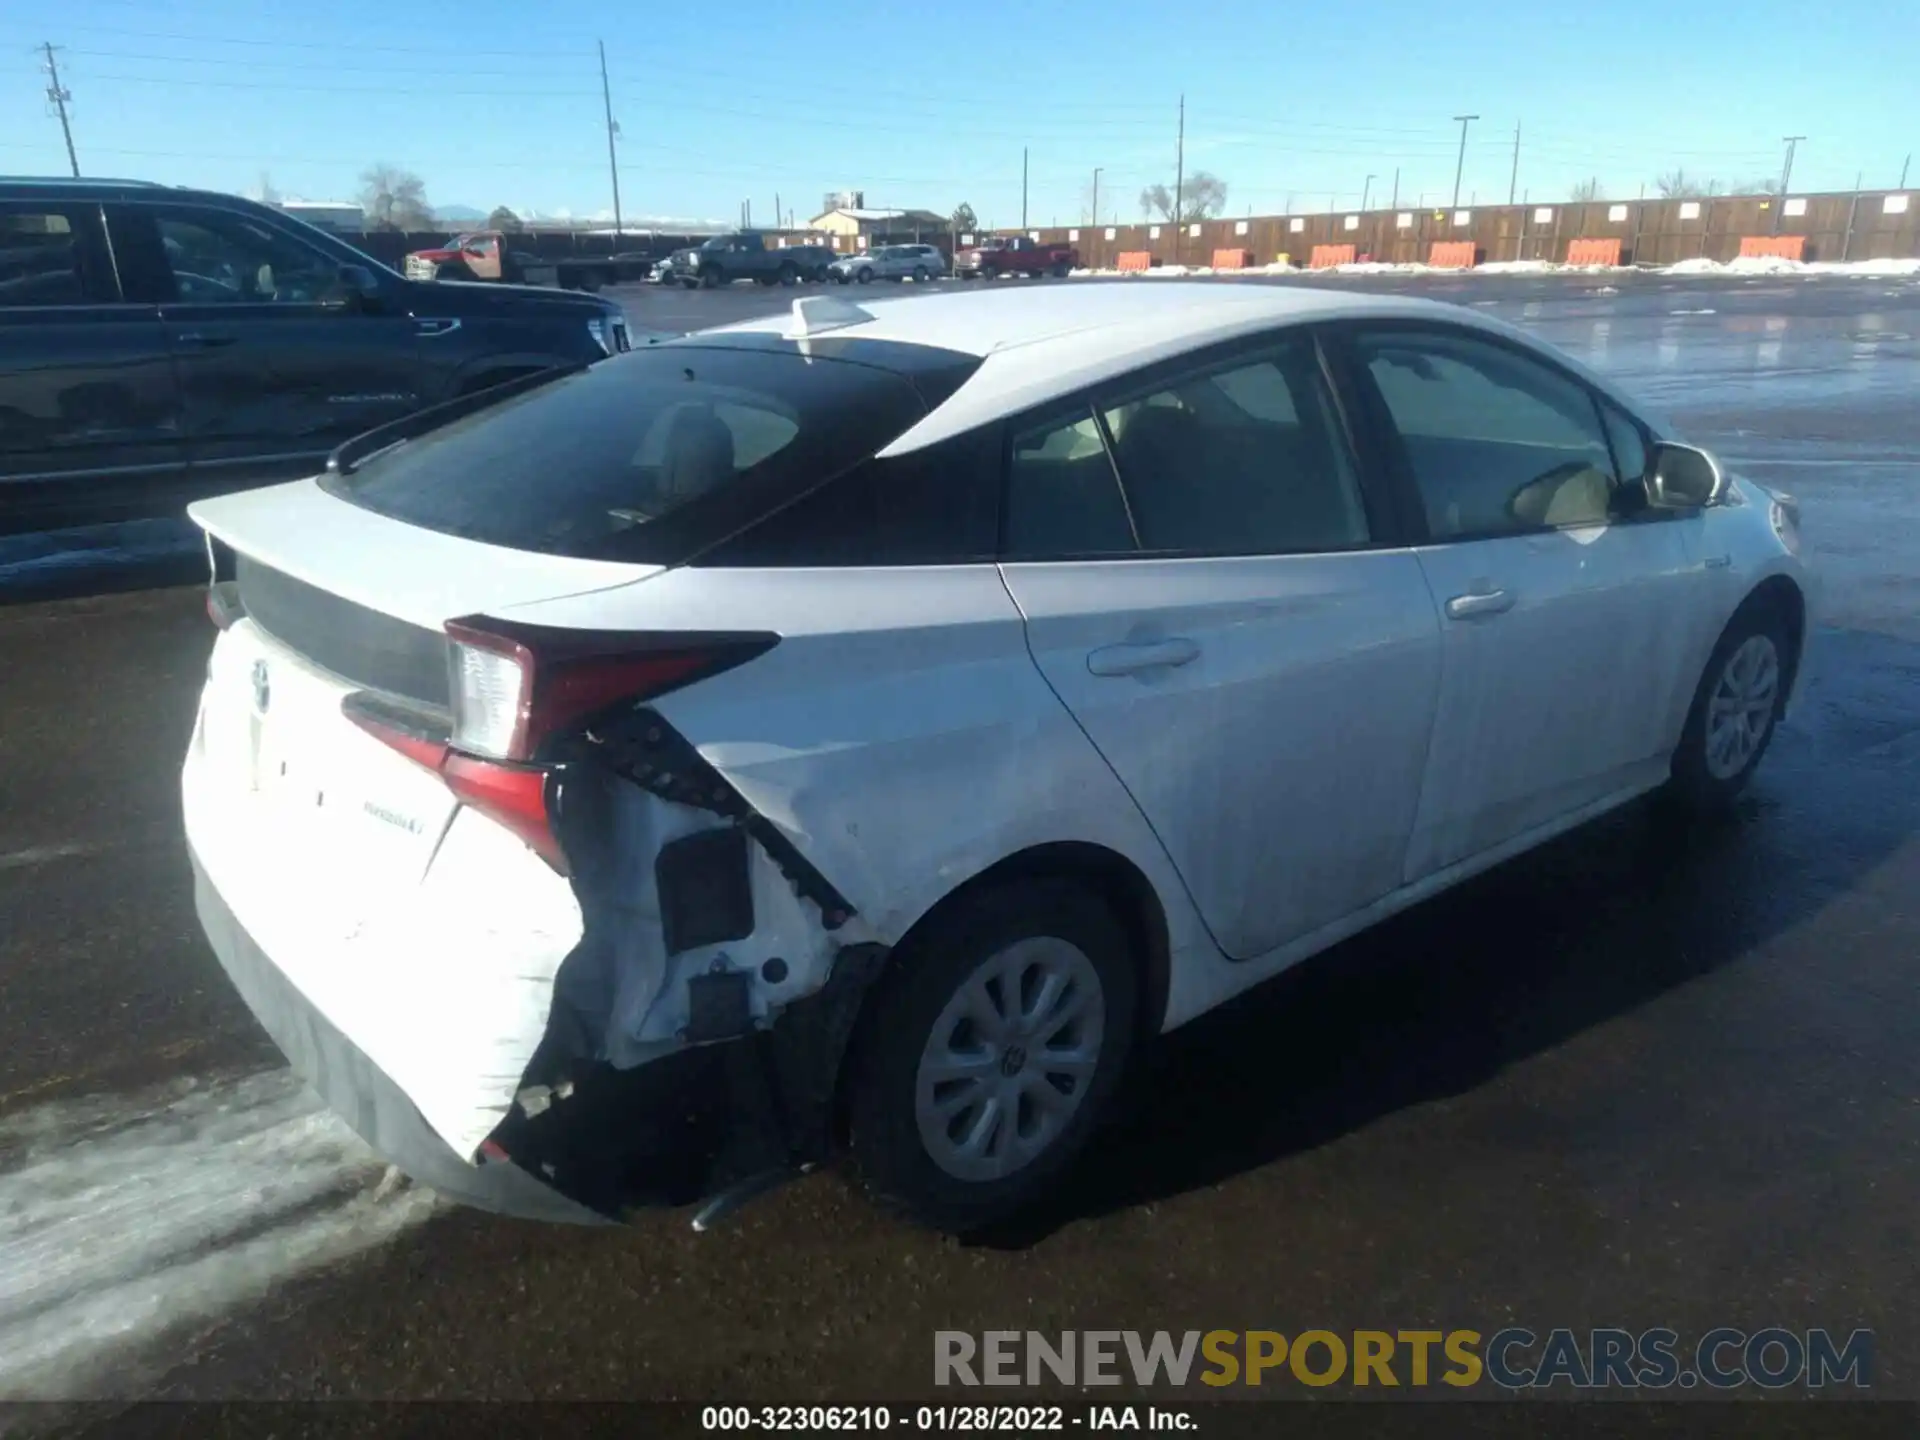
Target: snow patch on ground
x=1751, y=266
x=124, y=1219
x=1775, y=265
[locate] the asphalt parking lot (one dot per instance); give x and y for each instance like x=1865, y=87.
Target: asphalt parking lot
x=1638, y=1078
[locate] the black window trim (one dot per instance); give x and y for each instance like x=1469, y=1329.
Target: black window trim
x=1342, y=341
x=97, y=240
x=1387, y=526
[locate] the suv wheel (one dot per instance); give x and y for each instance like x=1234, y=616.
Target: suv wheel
x=1735, y=709
x=987, y=1055
x=919, y=274
x=866, y=274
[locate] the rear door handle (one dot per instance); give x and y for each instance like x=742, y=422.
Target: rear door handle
x=206, y=339
x=1490, y=602
x=1153, y=655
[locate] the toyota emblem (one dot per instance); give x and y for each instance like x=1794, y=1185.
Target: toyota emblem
x=262, y=691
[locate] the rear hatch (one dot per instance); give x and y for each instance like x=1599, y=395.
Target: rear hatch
x=424, y=925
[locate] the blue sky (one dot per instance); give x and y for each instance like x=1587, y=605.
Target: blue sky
x=1292, y=104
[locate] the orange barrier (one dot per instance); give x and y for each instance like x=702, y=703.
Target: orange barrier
x=1325, y=257
x=1134, y=260
x=1784, y=247
x=1232, y=259
x=1453, y=255
x=1594, y=252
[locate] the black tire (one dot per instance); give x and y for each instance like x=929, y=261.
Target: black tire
x=1062, y=270
x=919, y=274
x=890, y=1160
x=690, y=283
x=1700, y=782
x=712, y=277
x=841, y=278
x=865, y=277
x=788, y=275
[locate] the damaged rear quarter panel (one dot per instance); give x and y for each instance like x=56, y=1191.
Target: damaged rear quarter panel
x=899, y=734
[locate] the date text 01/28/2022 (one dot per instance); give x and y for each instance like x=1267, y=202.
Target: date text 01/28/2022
x=1005, y=1419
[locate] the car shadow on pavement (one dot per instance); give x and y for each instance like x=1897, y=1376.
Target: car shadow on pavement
x=1438, y=1000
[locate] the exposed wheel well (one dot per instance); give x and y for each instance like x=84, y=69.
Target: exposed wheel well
x=1780, y=595
x=1116, y=879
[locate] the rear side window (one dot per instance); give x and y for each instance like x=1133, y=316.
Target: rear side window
x=650, y=457
x=1063, y=499
x=49, y=256
x=1246, y=458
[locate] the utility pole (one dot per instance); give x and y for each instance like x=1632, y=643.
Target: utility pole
x=1463, y=121
x=1792, y=143
x=1396, y=187
x=60, y=96
x=613, y=129
x=1096, y=193
x=1365, y=191
x=777, y=212
x=1179, y=175
x=1513, y=184
x=1023, y=187
x=1903, y=169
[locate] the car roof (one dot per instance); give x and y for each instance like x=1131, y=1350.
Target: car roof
x=1041, y=342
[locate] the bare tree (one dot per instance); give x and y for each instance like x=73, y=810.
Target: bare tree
x=394, y=199
x=505, y=220
x=1202, y=196
x=1676, y=184
x=1585, y=191
x=964, y=221
x=268, y=195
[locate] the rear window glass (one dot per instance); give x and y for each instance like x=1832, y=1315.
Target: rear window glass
x=646, y=457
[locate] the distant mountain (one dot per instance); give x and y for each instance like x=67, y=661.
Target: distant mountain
x=455, y=214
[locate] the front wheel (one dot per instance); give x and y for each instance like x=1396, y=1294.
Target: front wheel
x=1735, y=709
x=788, y=274
x=865, y=276
x=986, y=1055
x=1062, y=270
x=711, y=278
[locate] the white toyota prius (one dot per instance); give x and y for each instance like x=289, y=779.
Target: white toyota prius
x=855, y=733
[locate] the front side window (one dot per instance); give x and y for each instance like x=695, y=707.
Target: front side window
x=47, y=257
x=1498, y=443
x=1241, y=459
x=218, y=258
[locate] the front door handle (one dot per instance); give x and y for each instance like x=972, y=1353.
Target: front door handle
x=1152, y=655
x=1489, y=602
x=206, y=339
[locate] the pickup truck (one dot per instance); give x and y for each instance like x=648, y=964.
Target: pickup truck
x=744, y=255
x=998, y=255
x=492, y=255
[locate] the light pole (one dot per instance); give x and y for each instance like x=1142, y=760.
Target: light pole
x=1792, y=142
x=1463, y=121
x=1096, y=193
x=1365, y=191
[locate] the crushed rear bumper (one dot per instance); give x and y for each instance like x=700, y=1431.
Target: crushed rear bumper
x=358, y=1090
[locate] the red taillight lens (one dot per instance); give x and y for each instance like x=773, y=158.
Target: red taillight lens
x=515, y=687
x=514, y=795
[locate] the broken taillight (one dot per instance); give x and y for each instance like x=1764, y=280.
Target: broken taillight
x=516, y=688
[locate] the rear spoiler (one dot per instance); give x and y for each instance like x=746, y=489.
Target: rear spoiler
x=348, y=457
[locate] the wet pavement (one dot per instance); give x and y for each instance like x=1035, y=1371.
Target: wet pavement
x=1642, y=1077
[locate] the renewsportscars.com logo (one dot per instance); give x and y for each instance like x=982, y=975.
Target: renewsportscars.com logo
x=1513, y=1358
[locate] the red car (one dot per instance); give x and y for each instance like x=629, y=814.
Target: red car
x=998, y=255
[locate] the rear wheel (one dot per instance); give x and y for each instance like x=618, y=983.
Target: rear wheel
x=919, y=274
x=1735, y=709
x=1062, y=270
x=988, y=1053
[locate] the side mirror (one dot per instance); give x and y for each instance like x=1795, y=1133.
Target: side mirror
x=1681, y=477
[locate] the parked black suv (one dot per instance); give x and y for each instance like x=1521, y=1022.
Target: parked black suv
x=158, y=344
